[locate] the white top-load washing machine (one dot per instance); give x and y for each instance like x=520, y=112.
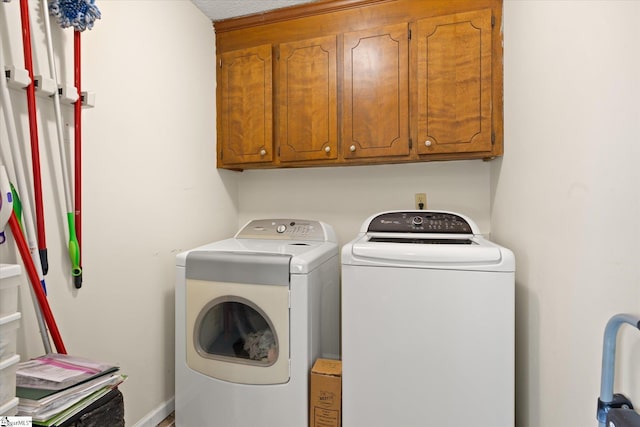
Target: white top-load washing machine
x=427, y=324
x=252, y=314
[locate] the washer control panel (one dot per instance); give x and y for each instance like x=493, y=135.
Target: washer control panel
x=420, y=222
x=283, y=229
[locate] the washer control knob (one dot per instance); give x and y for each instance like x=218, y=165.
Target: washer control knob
x=417, y=220
x=281, y=228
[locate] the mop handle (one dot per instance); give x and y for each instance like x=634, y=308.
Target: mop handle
x=35, y=283
x=79, y=14
x=74, y=252
x=78, y=150
x=33, y=131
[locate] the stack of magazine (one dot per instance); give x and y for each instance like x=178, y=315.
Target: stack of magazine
x=55, y=387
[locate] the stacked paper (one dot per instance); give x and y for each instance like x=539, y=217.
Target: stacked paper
x=55, y=387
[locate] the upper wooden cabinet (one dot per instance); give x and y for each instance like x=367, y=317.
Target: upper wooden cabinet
x=308, y=109
x=454, y=83
x=376, y=93
x=245, y=118
x=340, y=82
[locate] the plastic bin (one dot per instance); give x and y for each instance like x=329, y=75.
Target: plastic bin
x=9, y=280
x=8, y=370
x=8, y=334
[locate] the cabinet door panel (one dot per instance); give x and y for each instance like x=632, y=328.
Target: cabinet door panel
x=308, y=115
x=246, y=106
x=376, y=93
x=454, y=83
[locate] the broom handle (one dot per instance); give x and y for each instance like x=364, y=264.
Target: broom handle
x=33, y=132
x=35, y=283
x=10, y=157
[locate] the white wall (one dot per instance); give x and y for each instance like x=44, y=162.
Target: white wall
x=150, y=186
x=566, y=199
x=345, y=196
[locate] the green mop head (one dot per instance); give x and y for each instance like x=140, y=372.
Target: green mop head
x=79, y=14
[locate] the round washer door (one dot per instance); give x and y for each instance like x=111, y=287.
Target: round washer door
x=238, y=332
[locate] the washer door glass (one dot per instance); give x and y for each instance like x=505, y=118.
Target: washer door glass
x=235, y=330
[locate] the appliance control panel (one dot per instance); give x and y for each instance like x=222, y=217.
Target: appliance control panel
x=283, y=229
x=420, y=222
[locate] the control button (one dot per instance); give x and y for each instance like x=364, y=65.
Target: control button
x=281, y=228
x=417, y=220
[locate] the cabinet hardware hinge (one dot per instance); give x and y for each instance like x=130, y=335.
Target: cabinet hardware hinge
x=409, y=34
x=493, y=138
x=410, y=144
x=493, y=21
x=220, y=63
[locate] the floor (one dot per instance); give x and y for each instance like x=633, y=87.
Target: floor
x=168, y=422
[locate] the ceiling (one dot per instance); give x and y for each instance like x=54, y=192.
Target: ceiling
x=223, y=9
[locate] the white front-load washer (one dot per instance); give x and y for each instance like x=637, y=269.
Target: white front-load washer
x=427, y=324
x=252, y=314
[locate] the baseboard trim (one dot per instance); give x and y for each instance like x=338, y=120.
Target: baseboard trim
x=155, y=417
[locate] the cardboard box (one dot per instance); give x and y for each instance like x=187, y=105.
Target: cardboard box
x=325, y=399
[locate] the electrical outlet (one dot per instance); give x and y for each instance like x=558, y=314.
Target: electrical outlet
x=421, y=201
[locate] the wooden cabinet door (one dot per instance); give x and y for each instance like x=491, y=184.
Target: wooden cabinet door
x=308, y=118
x=454, y=83
x=245, y=127
x=376, y=93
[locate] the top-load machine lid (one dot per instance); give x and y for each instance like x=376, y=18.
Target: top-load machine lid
x=438, y=239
